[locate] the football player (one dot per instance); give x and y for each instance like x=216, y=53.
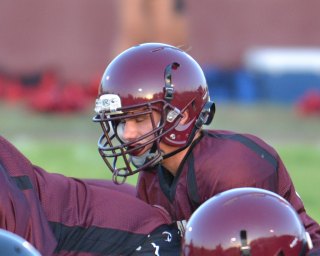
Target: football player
x=245, y=222
x=66, y=216
x=152, y=104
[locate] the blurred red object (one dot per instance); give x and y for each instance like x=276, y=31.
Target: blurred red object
x=45, y=98
x=93, y=87
x=56, y=97
x=10, y=90
x=47, y=93
x=309, y=104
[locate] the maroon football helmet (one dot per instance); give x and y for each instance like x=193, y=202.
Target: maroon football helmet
x=245, y=222
x=146, y=78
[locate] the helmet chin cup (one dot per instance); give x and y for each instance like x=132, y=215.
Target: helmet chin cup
x=139, y=161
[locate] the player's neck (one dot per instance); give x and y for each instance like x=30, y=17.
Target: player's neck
x=172, y=163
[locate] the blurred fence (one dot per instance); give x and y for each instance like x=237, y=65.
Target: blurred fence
x=277, y=75
x=247, y=87
x=280, y=76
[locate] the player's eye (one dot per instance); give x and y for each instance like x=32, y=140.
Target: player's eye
x=137, y=119
x=140, y=119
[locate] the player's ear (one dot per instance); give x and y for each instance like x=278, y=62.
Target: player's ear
x=185, y=117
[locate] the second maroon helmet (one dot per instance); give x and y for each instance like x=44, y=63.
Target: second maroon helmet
x=245, y=222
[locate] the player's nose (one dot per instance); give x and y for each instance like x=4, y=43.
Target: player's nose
x=130, y=130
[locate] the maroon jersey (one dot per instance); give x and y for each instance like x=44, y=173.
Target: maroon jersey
x=125, y=187
x=218, y=161
x=66, y=216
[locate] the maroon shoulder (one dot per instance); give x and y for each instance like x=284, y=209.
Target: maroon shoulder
x=85, y=203
x=251, y=163
x=82, y=208
x=235, y=160
x=13, y=159
x=125, y=188
x=44, y=207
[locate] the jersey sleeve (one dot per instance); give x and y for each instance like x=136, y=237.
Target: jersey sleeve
x=97, y=217
x=20, y=209
x=125, y=187
x=60, y=215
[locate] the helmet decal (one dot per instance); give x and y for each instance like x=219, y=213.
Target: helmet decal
x=108, y=103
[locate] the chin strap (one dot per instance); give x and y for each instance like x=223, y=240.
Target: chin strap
x=205, y=118
x=190, y=140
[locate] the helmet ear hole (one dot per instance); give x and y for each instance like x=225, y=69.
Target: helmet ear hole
x=185, y=117
x=193, y=105
x=206, y=115
x=211, y=112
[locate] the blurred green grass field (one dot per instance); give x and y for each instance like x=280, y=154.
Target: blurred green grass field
x=67, y=143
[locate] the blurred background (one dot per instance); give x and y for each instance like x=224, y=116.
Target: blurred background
x=250, y=50
x=261, y=59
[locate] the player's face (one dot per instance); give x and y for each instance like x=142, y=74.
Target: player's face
x=134, y=128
